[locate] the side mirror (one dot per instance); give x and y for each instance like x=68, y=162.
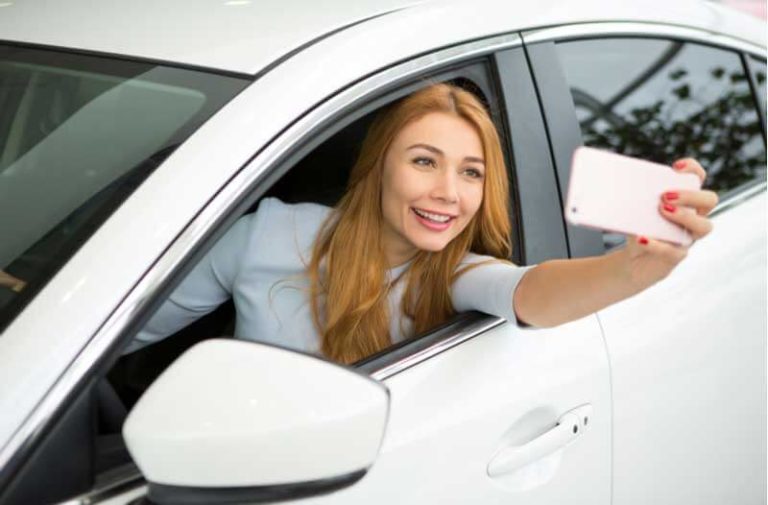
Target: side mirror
x=233, y=421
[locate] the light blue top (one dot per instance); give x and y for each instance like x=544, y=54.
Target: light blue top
x=260, y=263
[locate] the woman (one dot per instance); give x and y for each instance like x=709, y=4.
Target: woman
x=422, y=232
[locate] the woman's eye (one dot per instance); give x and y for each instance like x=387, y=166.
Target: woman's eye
x=424, y=162
x=474, y=173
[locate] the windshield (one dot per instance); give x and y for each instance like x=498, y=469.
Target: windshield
x=77, y=135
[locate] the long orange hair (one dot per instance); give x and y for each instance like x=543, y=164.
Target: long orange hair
x=348, y=268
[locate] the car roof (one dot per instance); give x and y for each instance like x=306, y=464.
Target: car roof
x=248, y=36
x=236, y=35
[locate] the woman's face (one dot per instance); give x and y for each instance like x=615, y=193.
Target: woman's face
x=432, y=184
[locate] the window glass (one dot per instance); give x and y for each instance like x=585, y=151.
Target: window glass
x=77, y=135
x=661, y=100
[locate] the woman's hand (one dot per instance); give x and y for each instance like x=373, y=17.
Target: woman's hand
x=648, y=260
x=577, y=287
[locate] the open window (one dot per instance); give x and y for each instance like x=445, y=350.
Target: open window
x=316, y=172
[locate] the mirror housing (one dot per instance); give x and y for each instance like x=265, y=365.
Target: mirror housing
x=233, y=421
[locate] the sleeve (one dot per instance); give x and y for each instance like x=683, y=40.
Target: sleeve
x=488, y=287
x=208, y=285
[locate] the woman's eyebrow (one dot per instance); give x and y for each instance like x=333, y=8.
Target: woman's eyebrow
x=441, y=153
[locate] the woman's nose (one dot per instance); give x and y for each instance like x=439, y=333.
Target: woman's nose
x=446, y=187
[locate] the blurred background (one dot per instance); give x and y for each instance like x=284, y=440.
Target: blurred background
x=754, y=7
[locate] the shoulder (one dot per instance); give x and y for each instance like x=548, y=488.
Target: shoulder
x=305, y=217
x=486, y=284
x=477, y=270
x=474, y=260
x=278, y=228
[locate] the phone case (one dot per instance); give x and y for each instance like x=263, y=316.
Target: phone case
x=618, y=193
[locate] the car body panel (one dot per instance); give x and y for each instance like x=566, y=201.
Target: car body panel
x=451, y=414
x=688, y=355
x=689, y=378
x=253, y=35
x=248, y=35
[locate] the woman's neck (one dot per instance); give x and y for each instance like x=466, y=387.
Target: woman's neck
x=397, y=249
x=398, y=256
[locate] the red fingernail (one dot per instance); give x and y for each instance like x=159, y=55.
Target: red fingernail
x=671, y=195
x=679, y=164
x=643, y=240
x=669, y=208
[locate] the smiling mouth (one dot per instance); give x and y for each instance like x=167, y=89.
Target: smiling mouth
x=433, y=216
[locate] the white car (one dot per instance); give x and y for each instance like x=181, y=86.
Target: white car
x=133, y=134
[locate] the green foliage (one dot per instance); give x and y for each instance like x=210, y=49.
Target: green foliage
x=716, y=134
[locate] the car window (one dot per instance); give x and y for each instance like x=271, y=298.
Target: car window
x=77, y=135
x=299, y=201
x=662, y=100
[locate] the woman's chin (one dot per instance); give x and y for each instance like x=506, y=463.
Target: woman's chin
x=431, y=245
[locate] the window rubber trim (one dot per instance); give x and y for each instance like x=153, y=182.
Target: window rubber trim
x=170, y=495
x=750, y=68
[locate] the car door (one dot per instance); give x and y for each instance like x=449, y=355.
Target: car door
x=687, y=355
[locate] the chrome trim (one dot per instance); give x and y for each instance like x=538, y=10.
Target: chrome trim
x=226, y=198
x=129, y=480
x=413, y=353
x=589, y=30
x=739, y=198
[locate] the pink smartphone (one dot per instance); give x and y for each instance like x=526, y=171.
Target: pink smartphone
x=618, y=193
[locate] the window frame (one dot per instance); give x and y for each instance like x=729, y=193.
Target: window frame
x=748, y=59
x=562, y=122
x=398, y=357
x=245, y=197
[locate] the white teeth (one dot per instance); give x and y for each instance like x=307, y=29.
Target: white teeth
x=432, y=217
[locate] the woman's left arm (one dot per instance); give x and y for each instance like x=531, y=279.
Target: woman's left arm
x=559, y=291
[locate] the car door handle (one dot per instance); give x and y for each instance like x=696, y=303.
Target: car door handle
x=570, y=425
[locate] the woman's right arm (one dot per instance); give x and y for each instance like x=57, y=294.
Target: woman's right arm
x=206, y=287
x=560, y=291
